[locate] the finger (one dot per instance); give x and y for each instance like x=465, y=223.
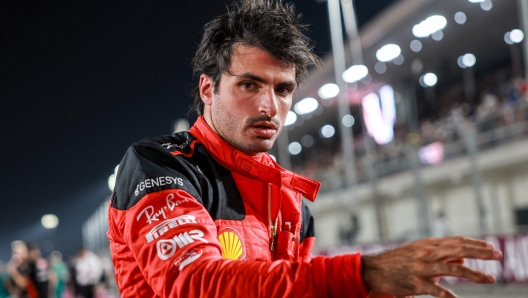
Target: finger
x=460, y=240
x=457, y=270
x=469, y=251
x=440, y=292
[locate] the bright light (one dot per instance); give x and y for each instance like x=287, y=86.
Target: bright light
x=355, y=73
x=112, y=179
x=50, y=221
x=486, y=5
x=469, y=60
x=507, y=38
x=429, y=79
x=327, y=131
x=416, y=46
x=294, y=148
x=290, y=118
x=380, y=67
x=273, y=157
x=306, y=106
x=111, y=182
x=328, y=91
x=516, y=36
x=378, y=127
x=460, y=18
x=388, y=106
x=388, y=52
x=307, y=141
x=348, y=120
x=429, y=26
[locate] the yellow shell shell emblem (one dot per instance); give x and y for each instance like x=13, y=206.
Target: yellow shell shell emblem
x=232, y=244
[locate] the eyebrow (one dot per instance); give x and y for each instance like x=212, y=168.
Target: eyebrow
x=264, y=81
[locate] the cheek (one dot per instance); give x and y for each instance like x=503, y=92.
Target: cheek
x=284, y=108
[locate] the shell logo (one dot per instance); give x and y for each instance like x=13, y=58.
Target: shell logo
x=233, y=246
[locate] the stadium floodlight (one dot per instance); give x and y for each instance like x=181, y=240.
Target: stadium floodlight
x=416, y=45
x=429, y=26
x=112, y=179
x=516, y=36
x=290, y=118
x=438, y=35
x=306, y=106
x=398, y=60
x=328, y=91
x=348, y=120
x=50, y=221
x=388, y=52
x=294, y=148
x=460, y=18
x=327, y=131
x=468, y=60
x=486, y=5
x=355, y=73
x=428, y=80
x=380, y=67
x=307, y=141
x=507, y=38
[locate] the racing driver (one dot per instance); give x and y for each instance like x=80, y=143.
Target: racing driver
x=208, y=213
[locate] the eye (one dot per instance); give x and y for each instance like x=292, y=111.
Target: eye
x=284, y=91
x=247, y=85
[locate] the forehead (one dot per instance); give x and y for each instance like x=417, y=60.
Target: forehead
x=254, y=60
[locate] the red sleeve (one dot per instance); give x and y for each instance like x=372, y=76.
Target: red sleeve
x=169, y=241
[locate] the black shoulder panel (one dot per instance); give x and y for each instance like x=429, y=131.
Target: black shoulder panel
x=149, y=166
x=307, y=225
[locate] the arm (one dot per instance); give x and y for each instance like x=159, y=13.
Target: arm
x=416, y=268
x=182, y=258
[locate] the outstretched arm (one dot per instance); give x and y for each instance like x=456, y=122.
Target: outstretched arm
x=416, y=268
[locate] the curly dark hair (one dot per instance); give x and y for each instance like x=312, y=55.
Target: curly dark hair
x=265, y=24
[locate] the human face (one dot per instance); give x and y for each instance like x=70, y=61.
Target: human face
x=251, y=103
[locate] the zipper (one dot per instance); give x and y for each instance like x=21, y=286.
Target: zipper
x=272, y=223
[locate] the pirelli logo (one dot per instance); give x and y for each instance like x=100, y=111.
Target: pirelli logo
x=168, y=224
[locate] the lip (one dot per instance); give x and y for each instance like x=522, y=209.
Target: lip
x=264, y=129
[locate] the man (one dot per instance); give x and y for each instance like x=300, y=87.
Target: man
x=208, y=213
x=88, y=272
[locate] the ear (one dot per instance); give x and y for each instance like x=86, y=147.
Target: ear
x=206, y=89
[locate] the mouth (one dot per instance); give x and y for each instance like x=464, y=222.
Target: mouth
x=264, y=129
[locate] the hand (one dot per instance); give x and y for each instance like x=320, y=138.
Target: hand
x=416, y=268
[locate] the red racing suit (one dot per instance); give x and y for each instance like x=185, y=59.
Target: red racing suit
x=191, y=216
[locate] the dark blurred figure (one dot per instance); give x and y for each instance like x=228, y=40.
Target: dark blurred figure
x=59, y=274
x=38, y=270
x=19, y=271
x=88, y=273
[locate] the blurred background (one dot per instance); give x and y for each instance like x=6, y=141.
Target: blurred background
x=416, y=125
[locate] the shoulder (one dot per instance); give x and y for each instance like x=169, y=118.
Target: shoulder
x=154, y=164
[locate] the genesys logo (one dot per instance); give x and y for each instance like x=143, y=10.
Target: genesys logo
x=156, y=182
x=167, y=225
x=233, y=245
x=151, y=215
x=166, y=248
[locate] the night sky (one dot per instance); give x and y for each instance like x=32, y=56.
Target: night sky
x=80, y=82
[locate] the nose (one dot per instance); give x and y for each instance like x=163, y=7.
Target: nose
x=268, y=103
